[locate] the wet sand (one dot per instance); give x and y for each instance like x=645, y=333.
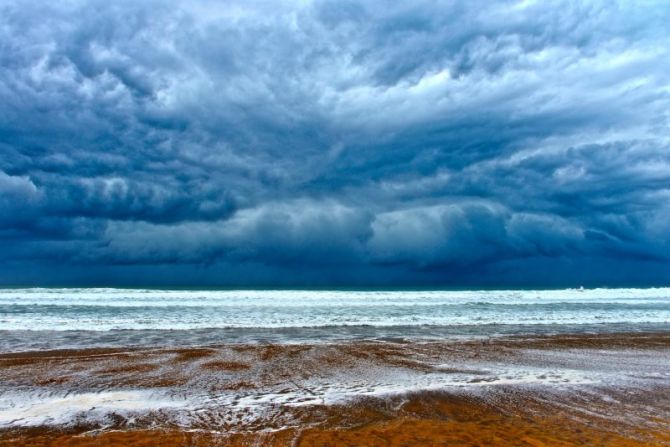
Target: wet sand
x=549, y=390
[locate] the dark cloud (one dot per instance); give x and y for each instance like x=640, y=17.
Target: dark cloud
x=316, y=143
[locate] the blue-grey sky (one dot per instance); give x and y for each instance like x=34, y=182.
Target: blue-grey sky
x=457, y=143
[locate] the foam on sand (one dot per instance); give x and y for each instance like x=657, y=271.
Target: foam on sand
x=28, y=409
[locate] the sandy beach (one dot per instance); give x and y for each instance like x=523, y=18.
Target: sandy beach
x=547, y=390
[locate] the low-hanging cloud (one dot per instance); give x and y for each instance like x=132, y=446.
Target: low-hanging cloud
x=327, y=142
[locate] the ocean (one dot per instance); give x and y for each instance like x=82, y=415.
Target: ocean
x=50, y=318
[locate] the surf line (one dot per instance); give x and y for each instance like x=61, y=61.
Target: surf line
x=300, y=387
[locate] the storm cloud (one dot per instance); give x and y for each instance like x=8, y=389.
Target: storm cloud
x=335, y=143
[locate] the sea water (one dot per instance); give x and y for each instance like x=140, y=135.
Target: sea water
x=40, y=318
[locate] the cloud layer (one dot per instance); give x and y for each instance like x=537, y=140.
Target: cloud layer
x=346, y=143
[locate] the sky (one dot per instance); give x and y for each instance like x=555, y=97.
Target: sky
x=335, y=143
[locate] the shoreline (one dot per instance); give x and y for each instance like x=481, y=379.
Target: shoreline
x=602, y=389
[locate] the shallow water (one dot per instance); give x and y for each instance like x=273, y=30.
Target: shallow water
x=259, y=387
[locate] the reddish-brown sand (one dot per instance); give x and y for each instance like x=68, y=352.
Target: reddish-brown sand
x=613, y=415
x=425, y=421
